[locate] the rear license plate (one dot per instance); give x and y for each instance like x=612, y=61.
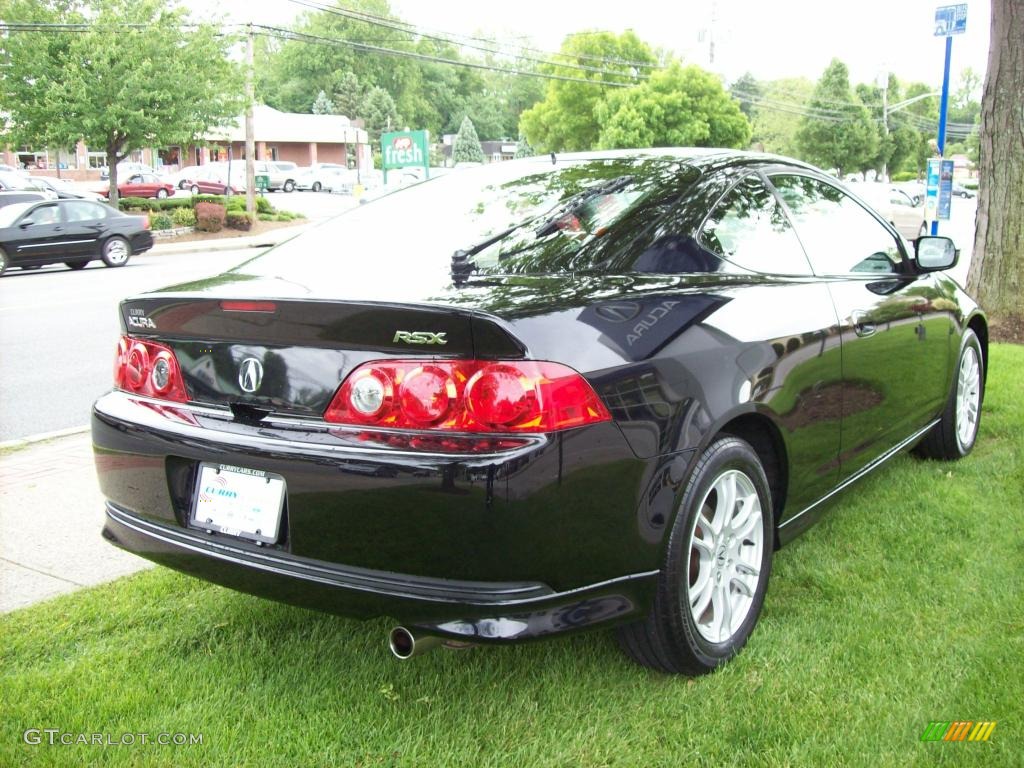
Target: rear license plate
x=246, y=503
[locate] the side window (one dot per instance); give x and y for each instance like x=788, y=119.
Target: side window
x=839, y=235
x=45, y=215
x=83, y=211
x=749, y=229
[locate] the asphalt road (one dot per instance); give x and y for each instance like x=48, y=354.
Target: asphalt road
x=58, y=330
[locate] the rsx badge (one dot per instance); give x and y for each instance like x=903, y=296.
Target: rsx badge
x=420, y=337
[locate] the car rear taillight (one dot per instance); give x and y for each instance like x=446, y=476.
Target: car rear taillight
x=145, y=221
x=150, y=369
x=466, y=396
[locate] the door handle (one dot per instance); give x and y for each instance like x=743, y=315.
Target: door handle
x=862, y=324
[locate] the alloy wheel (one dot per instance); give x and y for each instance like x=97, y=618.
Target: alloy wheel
x=968, y=397
x=726, y=545
x=116, y=252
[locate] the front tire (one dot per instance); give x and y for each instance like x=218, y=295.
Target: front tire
x=161, y=194
x=3, y=261
x=713, y=581
x=75, y=265
x=957, y=431
x=116, y=252
x=317, y=186
x=195, y=189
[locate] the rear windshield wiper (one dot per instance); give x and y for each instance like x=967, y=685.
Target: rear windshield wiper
x=575, y=203
x=462, y=267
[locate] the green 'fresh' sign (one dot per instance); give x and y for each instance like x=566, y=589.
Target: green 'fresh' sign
x=405, y=149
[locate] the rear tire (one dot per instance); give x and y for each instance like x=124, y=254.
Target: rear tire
x=957, y=431
x=712, y=584
x=289, y=186
x=3, y=261
x=317, y=186
x=116, y=252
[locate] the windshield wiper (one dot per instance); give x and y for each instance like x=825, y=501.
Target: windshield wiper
x=575, y=203
x=462, y=267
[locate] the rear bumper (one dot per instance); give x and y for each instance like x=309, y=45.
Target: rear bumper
x=549, y=537
x=471, y=611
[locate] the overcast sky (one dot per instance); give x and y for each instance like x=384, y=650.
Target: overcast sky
x=770, y=38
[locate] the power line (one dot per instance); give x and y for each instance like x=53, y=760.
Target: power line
x=454, y=38
x=448, y=38
x=286, y=34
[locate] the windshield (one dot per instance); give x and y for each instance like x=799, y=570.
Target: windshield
x=10, y=213
x=549, y=218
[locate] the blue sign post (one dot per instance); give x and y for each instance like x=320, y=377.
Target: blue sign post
x=949, y=20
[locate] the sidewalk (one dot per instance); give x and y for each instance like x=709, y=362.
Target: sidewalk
x=51, y=512
x=265, y=240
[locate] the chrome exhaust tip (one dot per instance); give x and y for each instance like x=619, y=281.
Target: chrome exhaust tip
x=404, y=644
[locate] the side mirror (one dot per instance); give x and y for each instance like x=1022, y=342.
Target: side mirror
x=25, y=223
x=935, y=253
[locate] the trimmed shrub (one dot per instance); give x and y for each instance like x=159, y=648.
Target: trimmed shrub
x=263, y=205
x=266, y=217
x=160, y=221
x=239, y=220
x=134, y=204
x=210, y=217
x=236, y=203
x=184, y=217
x=904, y=176
x=218, y=199
x=173, y=204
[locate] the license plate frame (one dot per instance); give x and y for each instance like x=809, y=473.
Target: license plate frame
x=240, y=502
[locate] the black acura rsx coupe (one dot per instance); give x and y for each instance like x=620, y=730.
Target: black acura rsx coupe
x=540, y=396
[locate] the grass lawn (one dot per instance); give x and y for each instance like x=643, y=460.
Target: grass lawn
x=905, y=605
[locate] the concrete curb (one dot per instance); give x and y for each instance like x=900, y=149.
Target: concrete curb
x=231, y=243
x=23, y=442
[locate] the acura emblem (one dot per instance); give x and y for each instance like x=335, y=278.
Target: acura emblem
x=621, y=312
x=250, y=375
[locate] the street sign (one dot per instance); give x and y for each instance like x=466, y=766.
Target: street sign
x=945, y=190
x=931, y=195
x=950, y=20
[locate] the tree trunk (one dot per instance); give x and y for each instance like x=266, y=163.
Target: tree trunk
x=998, y=263
x=112, y=160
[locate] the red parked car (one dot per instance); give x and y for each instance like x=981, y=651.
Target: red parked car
x=142, y=185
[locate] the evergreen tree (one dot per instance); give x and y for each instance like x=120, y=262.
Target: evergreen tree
x=349, y=95
x=746, y=90
x=467, y=147
x=523, y=149
x=838, y=132
x=323, y=105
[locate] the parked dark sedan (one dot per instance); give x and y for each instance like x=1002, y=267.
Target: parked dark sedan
x=533, y=398
x=70, y=231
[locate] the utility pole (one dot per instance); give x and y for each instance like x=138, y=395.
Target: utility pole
x=250, y=140
x=885, y=127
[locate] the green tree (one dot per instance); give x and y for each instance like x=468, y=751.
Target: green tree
x=921, y=113
x=777, y=120
x=747, y=90
x=467, y=147
x=349, y=95
x=677, y=107
x=323, y=105
x=838, y=132
x=523, y=148
x=487, y=113
x=379, y=113
x=565, y=119
x=115, y=86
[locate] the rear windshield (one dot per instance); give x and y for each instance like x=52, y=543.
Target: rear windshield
x=542, y=218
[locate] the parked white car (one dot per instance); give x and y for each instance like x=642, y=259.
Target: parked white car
x=319, y=176
x=897, y=207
